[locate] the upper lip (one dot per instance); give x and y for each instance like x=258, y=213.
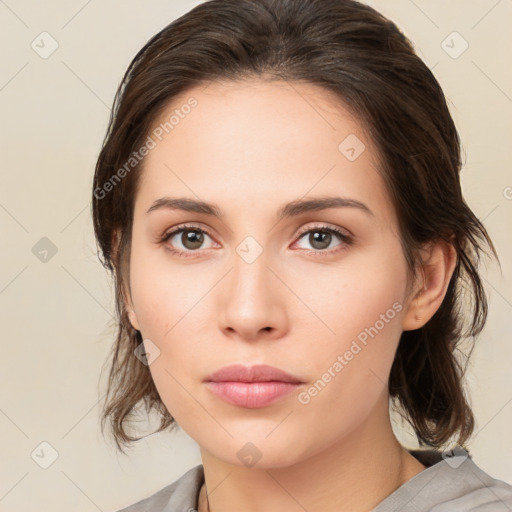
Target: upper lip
x=257, y=373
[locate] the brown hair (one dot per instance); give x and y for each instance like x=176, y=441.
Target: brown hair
x=352, y=50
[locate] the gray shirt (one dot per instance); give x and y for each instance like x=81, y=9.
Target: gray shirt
x=451, y=484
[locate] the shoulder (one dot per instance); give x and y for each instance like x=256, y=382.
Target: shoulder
x=473, y=489
x=179, y=495
x=450, y=484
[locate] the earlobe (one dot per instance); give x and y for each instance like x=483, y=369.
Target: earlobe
x=116, y=240
x=133, y=318
x=437, y=270
x=131, y=313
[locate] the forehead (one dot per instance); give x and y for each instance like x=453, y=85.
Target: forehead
x=260, y=111
x=262, y=142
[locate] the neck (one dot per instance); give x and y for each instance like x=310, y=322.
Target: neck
x=356, y=473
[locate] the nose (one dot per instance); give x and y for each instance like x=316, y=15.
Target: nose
x=253, y=302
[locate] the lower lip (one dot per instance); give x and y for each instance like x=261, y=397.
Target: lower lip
x=251, y=394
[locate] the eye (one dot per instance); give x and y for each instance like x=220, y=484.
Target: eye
x=320, y=237
x=191, y=238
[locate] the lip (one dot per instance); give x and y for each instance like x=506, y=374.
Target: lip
x=256, y=373
x=251, y=387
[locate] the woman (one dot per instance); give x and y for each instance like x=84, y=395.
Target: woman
x=278, y=198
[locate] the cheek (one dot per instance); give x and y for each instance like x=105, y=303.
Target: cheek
x=362, y=307
x=164, y=297
x=170, y=307
x=367, y=292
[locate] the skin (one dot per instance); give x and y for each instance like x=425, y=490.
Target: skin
x=251, y=147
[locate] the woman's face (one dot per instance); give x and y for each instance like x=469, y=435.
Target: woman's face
x=258, y=288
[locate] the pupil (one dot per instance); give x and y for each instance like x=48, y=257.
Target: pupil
x=192, y=239
x=316, y=238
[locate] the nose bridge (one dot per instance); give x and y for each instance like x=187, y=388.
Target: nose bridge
x=252, y=301
x=251, y=276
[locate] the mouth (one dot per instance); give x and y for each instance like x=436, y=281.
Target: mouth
x=252, y=387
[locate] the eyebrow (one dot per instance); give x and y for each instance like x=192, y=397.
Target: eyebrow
x=291, y=209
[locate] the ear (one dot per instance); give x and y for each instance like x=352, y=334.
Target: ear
x=126, y=295
x=437, y=269
x=131, y=312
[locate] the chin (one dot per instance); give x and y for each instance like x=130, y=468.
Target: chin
x=259, y=453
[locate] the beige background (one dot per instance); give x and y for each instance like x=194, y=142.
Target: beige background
x=56, y=315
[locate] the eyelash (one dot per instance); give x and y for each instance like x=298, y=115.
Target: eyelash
x=346, y=239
